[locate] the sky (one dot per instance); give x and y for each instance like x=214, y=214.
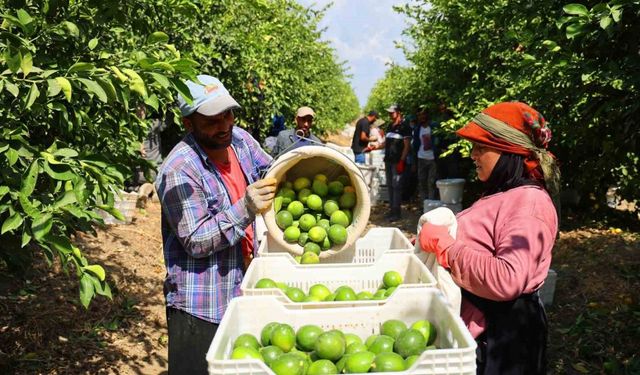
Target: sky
x=363, y=33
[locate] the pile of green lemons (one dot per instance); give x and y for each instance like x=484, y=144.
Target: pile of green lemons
x=315, y=213
x=321, y=293
x=311, y=350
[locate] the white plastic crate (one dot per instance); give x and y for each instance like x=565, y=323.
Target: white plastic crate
x=360, y=277
x=251, y=314
x=365, y=250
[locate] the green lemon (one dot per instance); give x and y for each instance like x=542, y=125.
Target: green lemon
x=284, y=219
x=337, y=234
x=307, y=221
x=330, y=298
x=326, y=244
x=410, y=360
x=312, y=247
x=320, y=188
x=324, y=223
x=356, y=347
x=379, y=294
x=309, y=258
x=265, y=283
x=388, y=362
x=410, y=342
x=322, y=367
x=320, y=177
x=295, y=294
x=319, y=290
x=359, y=362
x=246, y=340
x=287, y=194
x=304, y=237
x=309, y=298
x=330, y=207
x=369, y=341
x=345, y=294
x=351, y=338
x=317, y=234
x=382, y=344
x=314, y=202
x=296, y=208
x=265, y=335
x=340, y=218
x=301, y=183
x=364, y=296
x=336, y=188
x=393, y=328
x=291, y=234
x=307, y=336
x=283, y=336
x=243, y=352
x=391, y=278
x=390, y=291
x=288, y=364
x=270, y=353
x=427, y=329
x=344, y=180
x=330, y=346
x=347, y=200
x=303, y=195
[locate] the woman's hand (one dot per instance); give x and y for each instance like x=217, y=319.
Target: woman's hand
x=437, y=240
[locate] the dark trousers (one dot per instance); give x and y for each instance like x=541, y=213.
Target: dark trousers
x=189, y=340
x=394, y=186
x=427, y=176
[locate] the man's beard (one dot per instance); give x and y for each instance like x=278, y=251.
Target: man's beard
x=211, y=143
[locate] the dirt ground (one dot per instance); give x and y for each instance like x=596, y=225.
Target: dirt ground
x=594, y=322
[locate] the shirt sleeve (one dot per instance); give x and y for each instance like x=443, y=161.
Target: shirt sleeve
x=502, y=275
x=406, y=132
x=200, y=230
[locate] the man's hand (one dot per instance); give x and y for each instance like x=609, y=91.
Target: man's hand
x=259, y=195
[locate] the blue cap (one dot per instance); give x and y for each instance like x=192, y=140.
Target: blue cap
x=210, y=97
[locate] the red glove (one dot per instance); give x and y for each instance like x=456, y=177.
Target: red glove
x=400, y=167
x=436, y=239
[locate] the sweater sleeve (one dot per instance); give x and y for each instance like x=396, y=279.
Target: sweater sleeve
x=520, y=246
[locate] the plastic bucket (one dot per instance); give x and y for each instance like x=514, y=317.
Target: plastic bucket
x=451, y=190
x=309, y=161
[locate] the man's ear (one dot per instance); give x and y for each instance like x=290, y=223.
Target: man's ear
x=187, y=123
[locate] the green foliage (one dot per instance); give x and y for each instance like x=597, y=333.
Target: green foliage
x=75, y=73
x=577, y=64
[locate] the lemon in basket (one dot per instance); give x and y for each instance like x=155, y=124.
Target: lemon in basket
x=307, y=221
x=266, y=283
x=344, y=179
x=388, y=362
x=359, y=362
x=304, y=194
x=391, y=279
x=427, y=329
x=288, y=364
x=322, y=366
x=291, y=234
x=301, y=183
x=330, y=346
x=265, y=335
x=311, y=247
x=284, y=337
x=339, y=217
x=393, y=328
x=307, y=336
x=284, y=219
x=320, y=177
x=347, y=200
x=337, y=234
x=336, y=188
x=320, y=291
x=410, y=342
x=246, y=353
x=330, y=206
x=296, y=208
x=270, y=353
x=320, y=188
x=246, y=340
x=309, y=258
x=317, y=234
x=314, y=202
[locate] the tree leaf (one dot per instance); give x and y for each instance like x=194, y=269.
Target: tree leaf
x=14, y=61
x=158, y=37
x=161, y=79
x=32, y=96
x=605, y=22
x=42, y=226
x=29, y=179
x=65, y=175
x=60, y=244
x=96, y=270
x=576, y=9
x=26, y=238
x=95, y=88
x=182, y=89
x=118, y=73
x=26, y=64
x=54, y=87
x=109, y=89
x=68, y=198
x=86, y=290
x=3, y=190
x=102, y=288
x=11, y=223
x=72, y=28
x=163, y=65
x=574, y=30
x=66, y=152
x=12, y=88
x=81, y=67
x=136, y=84
x=65, y=85
x=93, y=43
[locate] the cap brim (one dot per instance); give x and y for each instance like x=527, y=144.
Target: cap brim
x=215, y=106
x=473, y=132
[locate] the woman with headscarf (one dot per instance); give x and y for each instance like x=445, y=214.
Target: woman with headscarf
x=502, y=250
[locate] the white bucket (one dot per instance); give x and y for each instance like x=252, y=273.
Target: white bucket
x=451, y=190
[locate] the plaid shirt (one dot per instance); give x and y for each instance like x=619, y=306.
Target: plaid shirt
x=201, y=229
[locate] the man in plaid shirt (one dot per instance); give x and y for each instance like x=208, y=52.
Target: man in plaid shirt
x=210, y=190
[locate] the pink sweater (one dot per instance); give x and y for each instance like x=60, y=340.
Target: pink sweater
x=503, y=248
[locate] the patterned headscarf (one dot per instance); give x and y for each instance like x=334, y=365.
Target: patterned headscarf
x=516, y=128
